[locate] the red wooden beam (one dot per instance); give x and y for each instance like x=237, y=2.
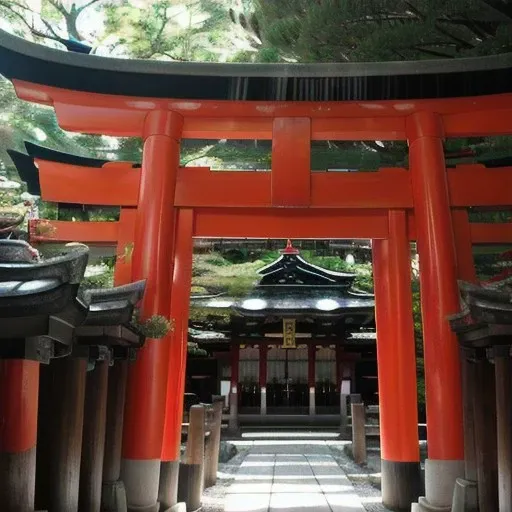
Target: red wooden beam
x=483, y=233
x=60, y=231
x=199, y=186
x=124, y=115
x=386, y=188
x=291, y=162
x=290, y=223
x=476, y=185
x=111, y=185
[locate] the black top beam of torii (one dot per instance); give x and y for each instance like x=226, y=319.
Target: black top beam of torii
x=474, y=76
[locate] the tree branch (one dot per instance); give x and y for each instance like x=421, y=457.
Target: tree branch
x=57, y=5
x=447, y=33
x=32, y=29
x=88, y=4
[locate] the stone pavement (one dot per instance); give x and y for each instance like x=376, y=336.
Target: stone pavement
x=291, y=477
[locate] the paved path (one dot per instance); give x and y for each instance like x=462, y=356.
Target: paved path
x=285, y=477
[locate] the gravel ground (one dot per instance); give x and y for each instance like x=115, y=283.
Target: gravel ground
x=213, y=498
x=364, y=478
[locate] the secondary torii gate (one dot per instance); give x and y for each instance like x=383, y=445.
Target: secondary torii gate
x=163, y=206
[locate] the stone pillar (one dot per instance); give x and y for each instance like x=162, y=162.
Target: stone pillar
x=19, y=384
x=312, y=378
x=152, y=260
x=180, y=301
x=263, y=378
x=396, y=357
x=439, y=300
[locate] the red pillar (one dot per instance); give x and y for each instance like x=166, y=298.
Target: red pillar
x=180, y=301
x=439, y=299
x=152, y=259
x=396, y=357
x=19, y=384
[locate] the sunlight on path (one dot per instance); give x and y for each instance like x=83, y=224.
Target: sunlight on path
x=307, y=480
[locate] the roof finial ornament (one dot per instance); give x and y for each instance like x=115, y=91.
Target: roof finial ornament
x=289, y=248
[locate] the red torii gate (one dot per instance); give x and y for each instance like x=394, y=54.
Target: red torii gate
x=164, y=206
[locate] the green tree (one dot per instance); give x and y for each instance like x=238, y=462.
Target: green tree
x=379, y=30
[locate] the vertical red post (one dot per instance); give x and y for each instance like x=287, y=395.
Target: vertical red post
x=396, y=359
x=263, y=377
x=180, y=301
x=151, y=260
x=312, y=377
x=233, y=395
x=439, y=300
x=19, y=382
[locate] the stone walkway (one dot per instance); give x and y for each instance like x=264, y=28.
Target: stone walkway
x=285, y=477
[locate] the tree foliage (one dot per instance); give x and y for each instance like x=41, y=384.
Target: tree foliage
x=379, y=30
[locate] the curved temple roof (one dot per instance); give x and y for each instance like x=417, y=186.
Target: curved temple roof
x=23, y=60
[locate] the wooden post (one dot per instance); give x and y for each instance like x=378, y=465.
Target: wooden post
x=503, y=371
x=213, y=446
x=19, y=385
x=113, y=496
x=233, y=395
x=263, y=353
x=190, y=484
x=60, y=434
x=152, y=259
x=485, y=435
x=180, y=302
x=93, y=441
x=439, y=300
x=358, y=433
x=312, y=378
x=401, y=482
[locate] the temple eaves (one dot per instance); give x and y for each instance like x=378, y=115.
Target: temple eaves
x=30, y=62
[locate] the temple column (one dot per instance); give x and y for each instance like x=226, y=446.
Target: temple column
x=312, y=377
x=19, y=382
x=93, y=441
x=398, y=408
x=233, y=394
x=439, y=300
x=113, y=494
x=180, y=303
x=152, y=260
x=61, y=417
x=465, y=489
x=263, y=378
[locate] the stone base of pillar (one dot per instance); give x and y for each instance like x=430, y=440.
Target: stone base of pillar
x=401, y=484
x=113, y=497
x=150, y=508
x=168, y=488
x=465, y=496
x=18, y=481
x=141, y=479
x=179, y=507
x=440, y=478
x=312, y=405
x=263, y=401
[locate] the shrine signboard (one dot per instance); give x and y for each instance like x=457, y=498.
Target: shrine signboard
x=289, y=333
